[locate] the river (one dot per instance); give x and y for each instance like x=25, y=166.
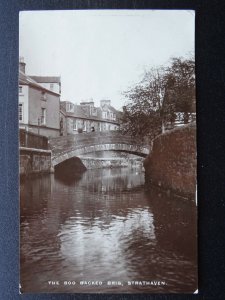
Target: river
x=102, y=232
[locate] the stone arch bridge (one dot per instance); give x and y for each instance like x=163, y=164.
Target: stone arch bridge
x=66, y=147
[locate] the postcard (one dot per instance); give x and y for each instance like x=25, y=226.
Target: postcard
x=107, y=151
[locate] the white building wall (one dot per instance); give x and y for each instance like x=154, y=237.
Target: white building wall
x=23, y=99
x=54, y=87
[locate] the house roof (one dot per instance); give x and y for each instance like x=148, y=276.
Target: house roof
x=62, y=110
x=113, y=109
x=79, y=112
x=107, y=107
x=47, y=79
x=27, y=80
x=83, y=112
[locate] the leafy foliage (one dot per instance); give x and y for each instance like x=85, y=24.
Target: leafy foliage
x=153, y=102
x=180, y=87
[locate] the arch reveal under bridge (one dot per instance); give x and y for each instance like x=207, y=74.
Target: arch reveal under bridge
x=66, y=147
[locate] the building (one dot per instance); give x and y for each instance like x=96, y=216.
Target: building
x=39, y=105
x=52, y=83
x=63, y=125
x=86, y=117
x=180, y=117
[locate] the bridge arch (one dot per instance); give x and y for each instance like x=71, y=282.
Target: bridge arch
x=132, y=149
x=64, y=148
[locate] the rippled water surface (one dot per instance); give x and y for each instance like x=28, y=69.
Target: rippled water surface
x=81, y=234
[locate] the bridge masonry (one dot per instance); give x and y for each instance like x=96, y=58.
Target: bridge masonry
x=64, y=148
x=99, y=163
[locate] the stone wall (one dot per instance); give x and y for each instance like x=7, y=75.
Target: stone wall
x=98, y=163
x=34, y=161
x=172, y=162
x=67, y=147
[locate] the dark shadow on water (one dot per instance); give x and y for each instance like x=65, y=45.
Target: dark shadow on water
x=70, y=171
x=179, y=231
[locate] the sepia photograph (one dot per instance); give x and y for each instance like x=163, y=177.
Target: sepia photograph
x=107, y=151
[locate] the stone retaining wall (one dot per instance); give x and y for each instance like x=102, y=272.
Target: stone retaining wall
x=172, y=162
x=34, y=161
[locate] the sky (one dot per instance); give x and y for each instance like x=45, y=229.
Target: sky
x=99, y=54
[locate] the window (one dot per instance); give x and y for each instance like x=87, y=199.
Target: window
x=20, y=89
x=70, y=107
x=43, y=96
x=84, y=125
x=43, y=116
x=93, y=111
x=74, y=124
x=20, y=112
x=51, y=86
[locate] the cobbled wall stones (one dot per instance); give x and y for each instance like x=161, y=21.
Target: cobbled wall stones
x=172, y=163
x=33, y=161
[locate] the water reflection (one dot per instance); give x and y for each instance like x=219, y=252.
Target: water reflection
x=105, y=227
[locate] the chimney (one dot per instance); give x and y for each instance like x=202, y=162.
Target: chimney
x=87, y=103
x=22, y=65
x=105, y=102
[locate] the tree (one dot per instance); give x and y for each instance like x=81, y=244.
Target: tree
x=141, y=114
x=153, y=102
x=180, y=87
